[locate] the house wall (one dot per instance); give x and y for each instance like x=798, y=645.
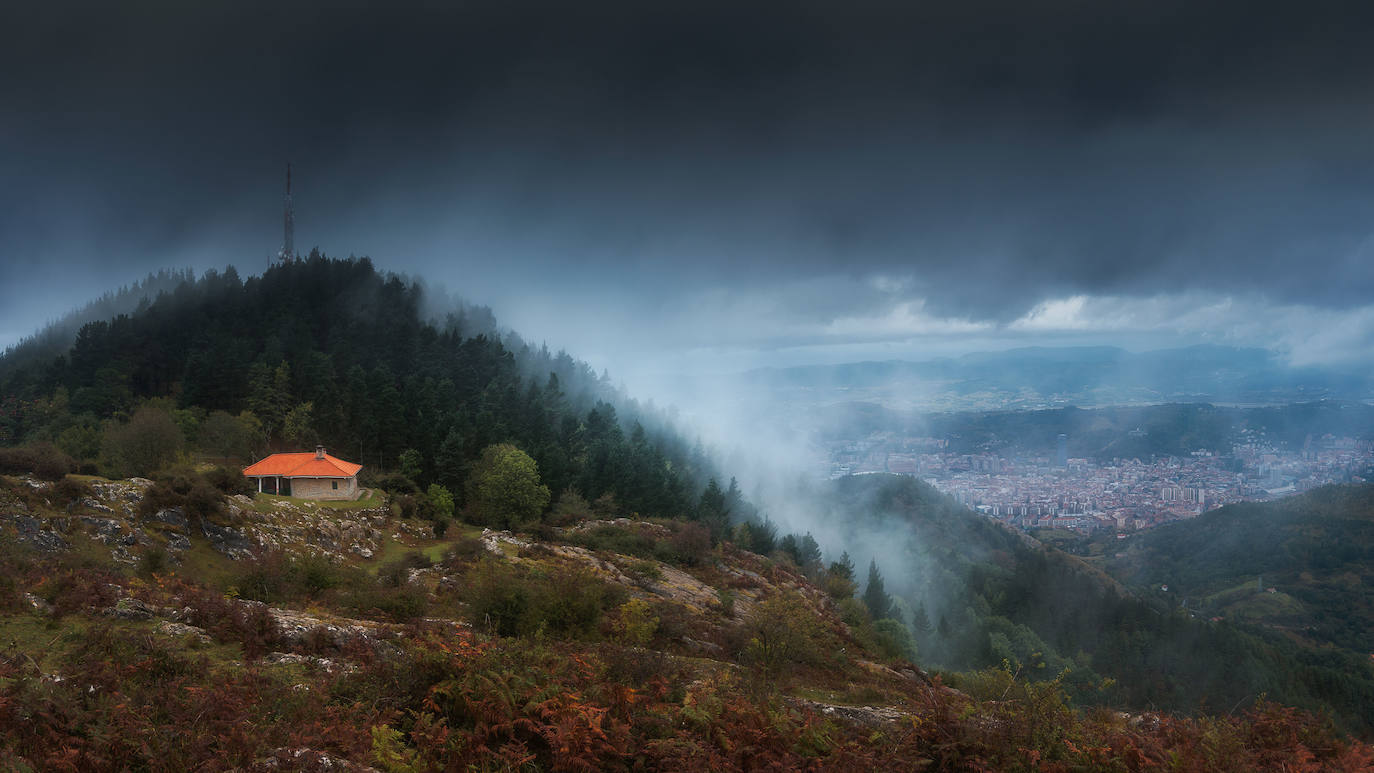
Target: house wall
x=323, y=488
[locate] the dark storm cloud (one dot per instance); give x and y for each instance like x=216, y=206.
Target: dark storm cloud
x=992, y=154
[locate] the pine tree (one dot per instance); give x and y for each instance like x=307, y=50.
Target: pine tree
x=713, y=510
x=875, y=596
x=920, y=620
x=844, y=568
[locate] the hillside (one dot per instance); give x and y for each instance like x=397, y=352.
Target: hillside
x=981, y=593
x=541, y=573
x=257, y=633
x=1303, y=565
x=335, y=352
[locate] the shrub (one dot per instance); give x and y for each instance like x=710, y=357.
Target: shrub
x=726, y=597
x=394, y=483
x=644, y=573
x=413, y=506
x=153, y=561
x=441, y=525
x=394, y=573
x=146, y=443
x=570, y=509
x=464, y=550
x=160, y=496
x=42, y=460
x=185, y=489
x=204, y=500
x=562, y=602
x=782, y=631
x=401, y=603
x=838, y=586
x=229, y=481
x=441, y=499
x=634, y=623
x=688, y=545
x=627, y=541
x=894, y=640
x=67, y=490
x=276, y=577
x=69, y=590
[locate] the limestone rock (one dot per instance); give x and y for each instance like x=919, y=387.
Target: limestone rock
x=169, y=628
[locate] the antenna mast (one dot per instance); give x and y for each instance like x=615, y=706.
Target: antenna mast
x=288, y=247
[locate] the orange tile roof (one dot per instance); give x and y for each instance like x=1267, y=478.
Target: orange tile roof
x=302, y=465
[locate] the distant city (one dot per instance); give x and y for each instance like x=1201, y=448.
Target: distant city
x=1032, y=491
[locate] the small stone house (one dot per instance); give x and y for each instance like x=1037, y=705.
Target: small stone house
x=306, y=475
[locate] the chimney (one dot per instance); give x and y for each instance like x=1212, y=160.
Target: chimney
x=319, y=452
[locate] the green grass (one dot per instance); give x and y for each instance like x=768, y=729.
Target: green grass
x=49, y=641
x=202, y=563
x=40, y=637
x=266, y=503
x=434, y=550
x=1244, y=602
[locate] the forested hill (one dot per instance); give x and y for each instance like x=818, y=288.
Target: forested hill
x=1303, y=565
x=978, y=594
x=336, y=352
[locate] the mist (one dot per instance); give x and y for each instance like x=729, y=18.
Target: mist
x=687, y=195
x=709, y=188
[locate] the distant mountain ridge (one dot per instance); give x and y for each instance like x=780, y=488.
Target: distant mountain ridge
x=1096, y=375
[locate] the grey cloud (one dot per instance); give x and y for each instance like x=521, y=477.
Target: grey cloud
x=992, y=155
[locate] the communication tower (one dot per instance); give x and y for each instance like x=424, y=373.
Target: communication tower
x=288, y=246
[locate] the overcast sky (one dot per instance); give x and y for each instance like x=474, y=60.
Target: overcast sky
x=720, y=185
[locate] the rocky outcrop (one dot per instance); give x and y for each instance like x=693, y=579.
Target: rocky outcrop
x=111, y=516
x=304, y=759
x=869, y=716
x=227, y=540
x=35, y=532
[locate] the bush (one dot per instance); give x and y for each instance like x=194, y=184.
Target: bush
x=185, y=489
x=464, y=551
x=229, y=481
x=394, y=573
x=395, y=483
x=689, y=545
x=67, y=491
x=152, y=562
x=634, y=623
x=146, y=443
x=627, y=541
x=564, y=602
x=413, y=506
x=644, y=573
x=275, y=577
x=401, y=603
x=570, y=509
x=42, y=460
x=894, y=640
x=782, y=631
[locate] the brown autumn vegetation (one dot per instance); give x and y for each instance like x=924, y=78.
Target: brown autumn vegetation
x=565, y=684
